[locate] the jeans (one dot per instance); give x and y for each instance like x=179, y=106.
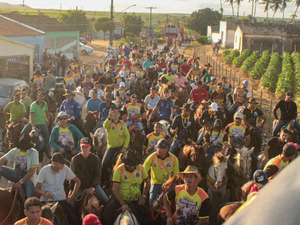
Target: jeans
x=174, y=149
x=154, y=192
x=233, y=109
x=281, y=123
x=201, y=136
x=21, y=125
x=14, y=176
x=106, y=162
x=138, y=125
x=193, y=105
x=258, y=140
x=98, y=190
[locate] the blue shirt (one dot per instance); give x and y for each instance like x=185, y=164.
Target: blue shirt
x=126, y=51
x=164, y=109
x=93, y=106
x=147, y=64
x=104, y=110
x=71, y=108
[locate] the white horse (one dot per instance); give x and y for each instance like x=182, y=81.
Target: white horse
x=99, y=142
x=80, y=98
x=126, y=218
x=165, y=127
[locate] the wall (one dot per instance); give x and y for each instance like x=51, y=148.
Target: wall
x=238, y=39
x=215, y=37
x=230, y=39
x=223, y=33
x=255, y=42
x=31, y=40
x=209, y=33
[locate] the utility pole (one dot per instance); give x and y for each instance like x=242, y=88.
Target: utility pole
x=60, y=8
x=23, y=3
x=151, y=22
x=112, y=21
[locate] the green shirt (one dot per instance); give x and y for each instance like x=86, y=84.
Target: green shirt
x=208, y=77
x=27, y=102
x=39, y=112
x=16, y=111
x=170, y=78
x=117, y=134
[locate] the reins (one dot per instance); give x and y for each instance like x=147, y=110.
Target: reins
x=12, y=208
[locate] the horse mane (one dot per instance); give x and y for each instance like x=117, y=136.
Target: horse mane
x=119, y=162
x=219, y=158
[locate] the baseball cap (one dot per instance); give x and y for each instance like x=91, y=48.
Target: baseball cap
x=122, y=84
x=85, y=141
x=162, y=144
x=41, y=92
x=62, y=113
x=290, y=93
x=290, y=149
x=246, y=83
x=58, y=157
x=91, y=219
x=214, y=106
x=260, y=177
x=213, y=78
x=134, y=96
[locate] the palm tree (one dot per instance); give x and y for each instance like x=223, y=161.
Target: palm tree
x=267, y=5
x=238, y=2
x=275, y=5
x=297, y=3
x=283, y=7
x=252, y=8
x=221, y=8
x=254, y=14
x=230, y=3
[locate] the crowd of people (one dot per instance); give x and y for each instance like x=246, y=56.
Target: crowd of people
x=173, y=101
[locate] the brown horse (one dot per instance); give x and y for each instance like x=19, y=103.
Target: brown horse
x=227, y=211
x=90, y=121
x=191, y=154
x=90, y=204
x=245, y=190
x=201, y=107
x=12, y=131
x=182, y=95
x=99, y=142
x=135, y=139
x=55, y=213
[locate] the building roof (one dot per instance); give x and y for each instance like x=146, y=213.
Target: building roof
x=267, y=29
x=232, y=25
x=215, y=28
x=41, y=22
x=16, y=42
x=9, y=27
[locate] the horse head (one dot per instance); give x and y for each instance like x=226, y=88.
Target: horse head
x=99, y=138
x=243, y=162
x=91, y=205
x=194, y=154
x=220, y=163
x=12, y=131
x=90, y=121
x=165, y=127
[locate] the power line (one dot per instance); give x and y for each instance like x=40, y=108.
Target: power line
x=151, y=7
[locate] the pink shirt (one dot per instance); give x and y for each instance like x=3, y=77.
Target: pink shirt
x=179, y=81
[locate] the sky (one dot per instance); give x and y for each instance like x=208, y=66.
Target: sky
x=166, y=6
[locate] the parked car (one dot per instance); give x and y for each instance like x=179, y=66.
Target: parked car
x=82, y=40
x=85, y=49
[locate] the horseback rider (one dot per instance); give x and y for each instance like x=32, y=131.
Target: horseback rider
x=152, y=138
x=127, y=180
x=85, y=70
x=120, y=95
x=87, y=167
x=288, y=113
x=192, y=202
x=179, y=80
x=69, y=81
x=208, y=76
x=26, y=161
x=65, y=137
x=93, y=104
x=275, y=165
x=213, y=85
x=17, y=113
x=250, y=116
x=184, y=127
x=219, y=96
x=226, y=85
x=162, y=164
x=71, y=107
x=198, y=94
x=50, y=185
x=151, y=99
x=117, y=138
x=105, y=106
x=260, y=180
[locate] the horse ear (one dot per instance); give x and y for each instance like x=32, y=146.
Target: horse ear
x=250, y=151
x=92, y=135
x=53, y=208
x=14, y=126
x=99, y=210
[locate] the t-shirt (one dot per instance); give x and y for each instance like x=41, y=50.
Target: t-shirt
x=132, y=110
x=147, y=64
x=199, y=94
x=179, y=81
x=235, y=131
x=152, y=139
x=151, y=101
x=130, y=182
x=65, y=138
x=275, y=147
x=49, y=82
x=93, y=106
x=164, y=109
x=251, y=115
x=76, y=76
x=169, y=78
x=42, y=221
x=117, y=133
x=161, y=168
x=185, y=68
x=27, y=102
x=16, y=111
x=288, y=110
x=208, y=78
x=21, y=163
x=69, y=81
x=53, y=182
x=106, y=81
x=216, y=138
x=39, y=112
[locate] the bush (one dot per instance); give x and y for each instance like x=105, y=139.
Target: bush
x=238, y=61
x=226, y=52
x=249, y=62
x=269, y=78
x=229, y=58
x=203, y=40
x=260, y=66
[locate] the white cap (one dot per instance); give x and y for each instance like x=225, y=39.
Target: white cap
x=122, y=74
x=62, y=113
x=238, y=115
x=122, y=84
x=214, y=106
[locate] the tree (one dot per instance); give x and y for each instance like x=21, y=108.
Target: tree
x=238, y=2
x=104, y=24
x=199, y=20
x=297, y=3
x=283, y=7
x=132, y=23
x=267, y=5
x=254, y=14
x=76, y=18
x=221, y=8
x=252, y=7
x=275, y=5
x=231, y=3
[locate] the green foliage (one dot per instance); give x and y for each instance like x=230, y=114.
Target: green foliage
x=267, y=79
x=76, y=18
x=128, y=39
x=159, y=33
x=248, y=63
x=199, y=20
x=284, y=79
x=296, y=61
x=229, y=58
x=260, y=66
x=226, y=52
x=238, y=61
x=104, y=24
x=203, y=40
x=132, y=23
x=160, y=40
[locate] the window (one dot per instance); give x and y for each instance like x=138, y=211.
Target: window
x=235, y=38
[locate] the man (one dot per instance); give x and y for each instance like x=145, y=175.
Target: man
x=147, y=63
x=38, y=119
x=106, y=80
x=75, y=53
x=127, y=62
x=260, y=180
x=72, y=108
x=219, y=96
x=105, y=106
x=117, y=138
x=69, y=81
x=120, y=95
x=26, y=101
x=87, y=167
x=192, y=72
x=179, y=80
x=288, y=113
x=45, y=56
x=151, y=99
x=198, y=95
x=226, y=85
x=170, y=77
x=112, y=62
x=164, y=107
x=96, y=74
x=100, y=93
x=38, y=79
x=33, y=213
x=50, y=185
x=184, y=127
x=26, y=160
x=16, y=111
x=213, y=85
x=50, y=81
x=207, y=77
x=194, y=84
x=153, y=138
x=240, y=97
x=127, y=180
x=65, y=137
x=250, y=116
x=93, y=104
x=192, y=202
x=275, y=165
x=126, y=51
x=162, y=164
x=85, y=70
x=151, y=76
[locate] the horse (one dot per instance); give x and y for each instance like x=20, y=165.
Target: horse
x=242, y=169
x=135, y=138
x=99, y=142
x=109, y=89
x=182, y=95
x=126, y=218
x=55, y=213
x=201, y=107
x=140, y=89
x=191, y=154
x=166, y=127
x=12, y=131
x=80, y=98
x=90, y=121
x=90, y=204
x=150, y=123
x=245, y=190
x=227, y=210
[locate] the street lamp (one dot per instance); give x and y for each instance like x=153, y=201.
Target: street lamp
x=112, y=20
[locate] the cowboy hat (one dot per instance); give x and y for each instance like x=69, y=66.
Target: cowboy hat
x=186, y=106
x=69, y=92
x=208, y=65
x=23, y=142
x=131, y=158
x=189, y=170
x=252, y=100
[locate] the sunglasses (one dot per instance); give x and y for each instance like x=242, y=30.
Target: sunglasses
x=94, y=93
x=62, y=118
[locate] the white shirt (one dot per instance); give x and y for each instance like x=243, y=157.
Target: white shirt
x=151, y=101
x=100, y=93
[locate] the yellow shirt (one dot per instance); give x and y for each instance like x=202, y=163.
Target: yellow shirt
x=161, y=168
x=65, y=137
x=130, y=182
x=153, y=139
x=42, y=221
